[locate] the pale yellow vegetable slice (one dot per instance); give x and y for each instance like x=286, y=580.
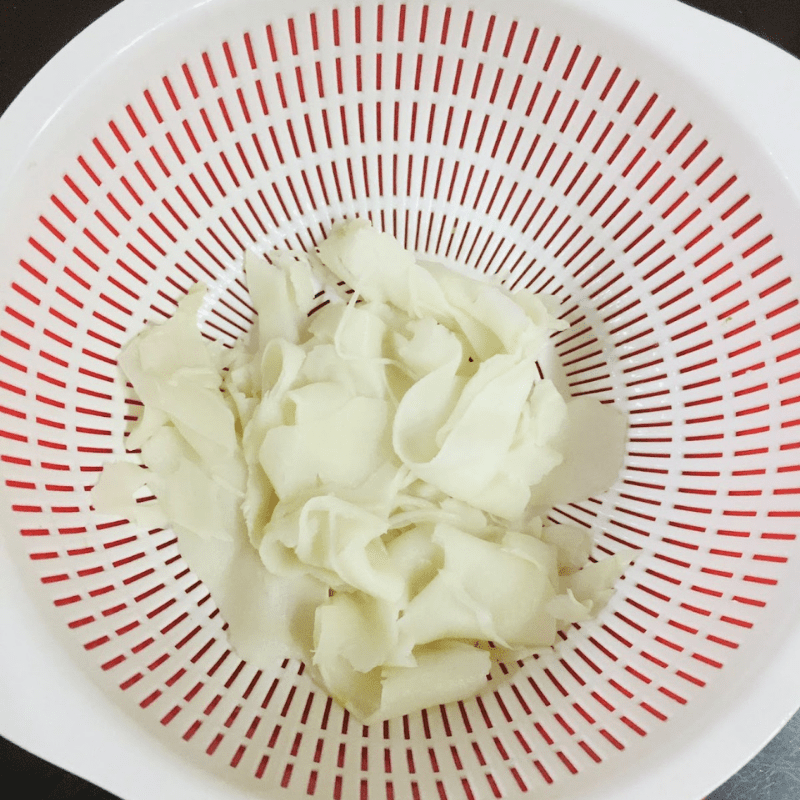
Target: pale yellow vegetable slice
x=193, y=498
x=542, y=309
x=595, y=581
x=359, y=628
x=176, y=374
x=354, y=636
x=567, y=609
x=424, y=409
x=374, y=499
x=116, y=489
x=269, y=617
x=323, y=323
x=574, y=545
x=531, y=455
x=419, y=511
x=258, y=503
x=377, y=267
x=347, y=348
x=593, y=444
x=336, y=439
x=282, y=294
x=446, y=608
x=360, y=333
x=337, y=542
x=379, y=492
x=280, y=364
x=424, y=345
x=533, y=549
x=416, y=558
x=445, y=672
x=346, y=539
x=484, y=591
x=281, y=559
x=361, y=376
x=491, y=319
x=474, y=442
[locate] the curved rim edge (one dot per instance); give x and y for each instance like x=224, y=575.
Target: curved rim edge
x=726, y=61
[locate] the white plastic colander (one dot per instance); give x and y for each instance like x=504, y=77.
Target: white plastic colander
x=636, y=160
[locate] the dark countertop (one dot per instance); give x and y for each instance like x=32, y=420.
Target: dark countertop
x=31, y=32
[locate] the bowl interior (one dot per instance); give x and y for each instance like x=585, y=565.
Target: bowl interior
x=536, y=145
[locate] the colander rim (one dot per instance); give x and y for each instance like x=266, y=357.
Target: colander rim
x=42, y=689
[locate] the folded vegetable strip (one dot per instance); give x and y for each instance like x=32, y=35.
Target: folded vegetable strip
x=363, y=488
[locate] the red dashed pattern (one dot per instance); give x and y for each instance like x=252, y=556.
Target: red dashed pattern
x=479, y=140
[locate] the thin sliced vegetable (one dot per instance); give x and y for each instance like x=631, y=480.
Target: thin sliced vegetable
x=364, y=488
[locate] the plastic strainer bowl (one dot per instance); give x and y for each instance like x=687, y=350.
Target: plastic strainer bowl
x=631, y=158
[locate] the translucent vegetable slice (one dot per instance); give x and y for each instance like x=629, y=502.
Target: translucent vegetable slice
x=364, y=488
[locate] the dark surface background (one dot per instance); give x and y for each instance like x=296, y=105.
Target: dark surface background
x=31, y=32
